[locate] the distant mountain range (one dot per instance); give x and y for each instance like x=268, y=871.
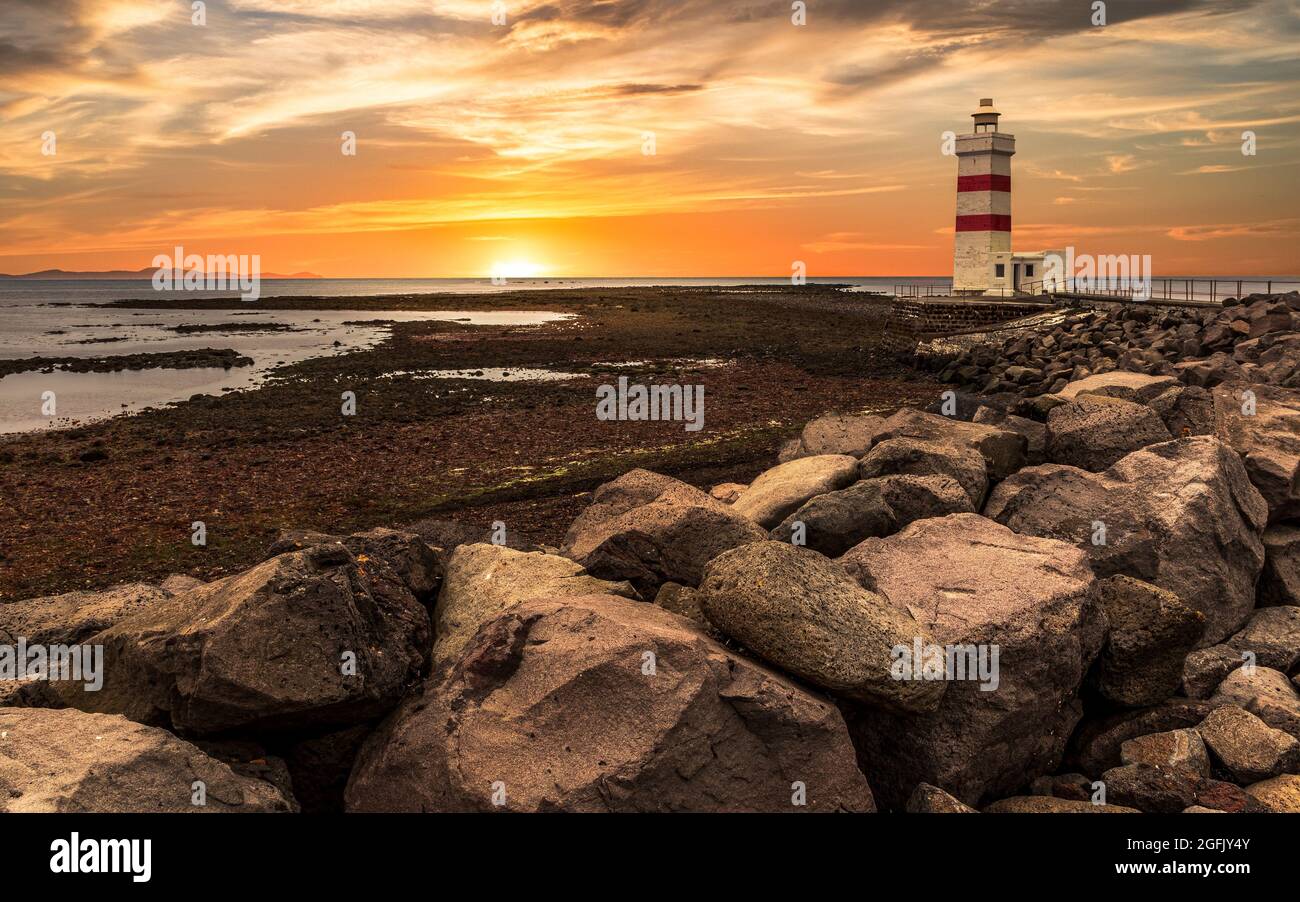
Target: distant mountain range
x=130, y=274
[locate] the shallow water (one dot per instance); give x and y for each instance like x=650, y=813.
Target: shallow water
x=31, y=331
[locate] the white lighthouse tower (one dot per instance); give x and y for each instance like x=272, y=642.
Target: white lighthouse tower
x=983, y=204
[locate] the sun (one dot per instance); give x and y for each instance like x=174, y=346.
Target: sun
x=516, y=269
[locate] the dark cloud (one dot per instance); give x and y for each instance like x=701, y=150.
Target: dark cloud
x=954, y=17
x=629, y=89
x=16, y=60
x=37, y=35
x=1006, y=17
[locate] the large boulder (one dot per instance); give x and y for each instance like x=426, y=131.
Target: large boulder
x=1095, y=431
x=924, y=457
x=70, y=761
x=806, y=615
x=605, y=704
x=837, y=433
x=309, y=638
x=1181, y=515
x=1150, y=633
x=650, y=529
x=985, y=590
x=1262, y=424
x=1138, y=387
x=835, y=522
x=782, y=490
x=1002, y=449
x=414, y=561
x=483, y=580
x=914, y=498
x=73, y=617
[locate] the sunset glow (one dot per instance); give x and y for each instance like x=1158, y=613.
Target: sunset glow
x=483, y=147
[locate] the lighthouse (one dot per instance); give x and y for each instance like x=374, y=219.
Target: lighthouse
x=983, y=205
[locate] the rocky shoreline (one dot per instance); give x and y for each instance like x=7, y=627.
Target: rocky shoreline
x=1077, y=591
x=226, y=358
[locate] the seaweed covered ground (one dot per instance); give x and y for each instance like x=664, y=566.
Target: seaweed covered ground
x=115, y=501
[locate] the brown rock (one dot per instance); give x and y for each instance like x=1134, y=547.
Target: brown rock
x=605, y=704
x=1268, y=441
x=782, y=490
x=1151, y=788
x=1150, y=634
x=483, y=580
x=1035, y=433
x=806, y=615
x=1250, y=749
x=1181, y=515
x=838, y=433
x=835, y=522
x=913, y=498
x=72, y=618
x=70, y=761
x=310, y=638
x=1137, y=387
x=987, y=588
x=650, y=529
x=1181, y=749
x=685, y=602
x=1003, y=450
x=1264, y=692
x=925, y=457
x=1094, y=431
x=1095, y=746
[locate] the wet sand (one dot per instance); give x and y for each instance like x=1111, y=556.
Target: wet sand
x=113, y=501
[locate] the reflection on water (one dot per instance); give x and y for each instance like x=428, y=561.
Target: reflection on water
x=36, y=331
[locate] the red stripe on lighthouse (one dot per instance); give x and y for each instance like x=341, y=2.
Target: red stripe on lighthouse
x=984, y=222
x=986, y=182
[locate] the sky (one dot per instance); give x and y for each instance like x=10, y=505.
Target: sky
x=640, y=137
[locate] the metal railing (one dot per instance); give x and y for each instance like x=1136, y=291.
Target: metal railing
x=1188, y=291
x=1172, y=291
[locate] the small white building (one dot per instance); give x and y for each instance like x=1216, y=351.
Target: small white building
x=1029, y=273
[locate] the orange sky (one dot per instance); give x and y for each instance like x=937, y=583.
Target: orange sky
x=481, y=143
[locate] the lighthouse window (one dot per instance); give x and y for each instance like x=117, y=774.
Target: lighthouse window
x=1000, y=270
x=1029, y=269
